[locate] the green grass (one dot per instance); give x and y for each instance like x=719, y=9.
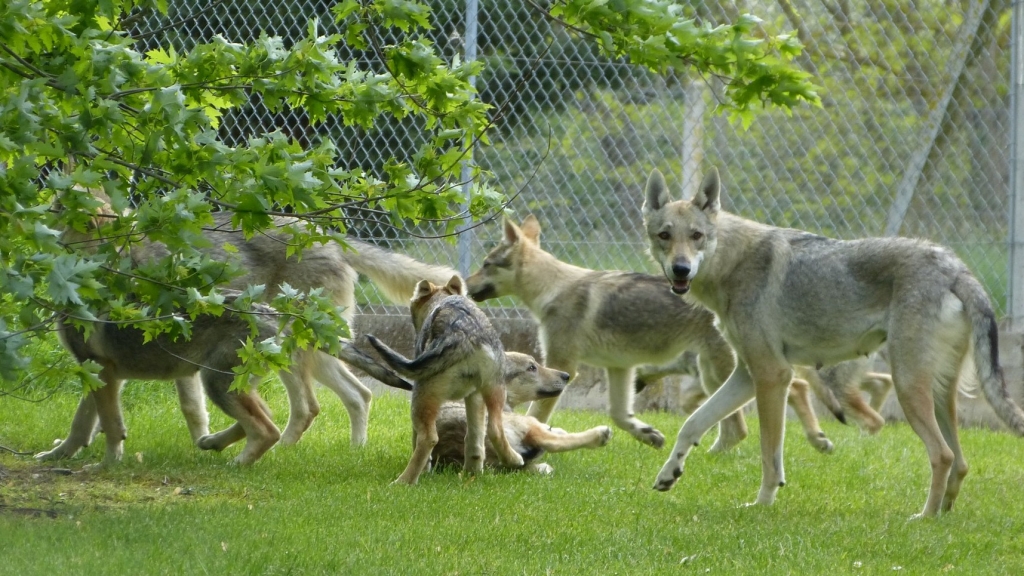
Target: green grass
x=321, y=507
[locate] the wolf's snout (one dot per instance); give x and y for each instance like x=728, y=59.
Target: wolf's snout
x=681, y=269
x=564, y=376
x=481, y=293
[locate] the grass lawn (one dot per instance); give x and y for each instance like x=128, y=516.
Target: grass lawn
x=322, y=507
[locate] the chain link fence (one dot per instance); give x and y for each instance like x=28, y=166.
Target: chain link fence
x=912, y=136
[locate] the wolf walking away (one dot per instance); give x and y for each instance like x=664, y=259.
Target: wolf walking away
x=458, y=356
x=211, y=352
x=265, y=260
x=787, y=297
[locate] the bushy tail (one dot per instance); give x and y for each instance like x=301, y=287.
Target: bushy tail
x=356, y=357
x=986, y=352
x=396, y=275
x=430, y=363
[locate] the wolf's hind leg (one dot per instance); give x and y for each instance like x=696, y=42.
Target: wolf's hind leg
x=620, y=404
x=356, y=397
x=546, y=439
x=473, y=462
x=799, y=398
x=914, y=391
x=250, y=412
x=494, y=400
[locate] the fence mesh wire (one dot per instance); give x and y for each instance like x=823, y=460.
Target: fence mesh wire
x=914, y=114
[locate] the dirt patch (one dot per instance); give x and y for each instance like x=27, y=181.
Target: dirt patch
x=29, y=489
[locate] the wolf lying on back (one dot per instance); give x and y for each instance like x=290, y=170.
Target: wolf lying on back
x=212, y=351
x=787, y=297
x=458, y=355
x=264, y=257
x=615, y=321
x=525, y=380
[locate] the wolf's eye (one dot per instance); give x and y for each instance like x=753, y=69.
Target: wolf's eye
x=664, y=235
x=697, y=235
x=531, y=368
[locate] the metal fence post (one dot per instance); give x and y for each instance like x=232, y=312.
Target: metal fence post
x=1015, y=272
x=466, y=231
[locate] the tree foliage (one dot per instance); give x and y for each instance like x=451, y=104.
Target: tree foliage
x=86, y=106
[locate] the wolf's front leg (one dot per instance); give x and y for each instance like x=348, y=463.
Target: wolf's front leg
x=424, y=430
x=83, y=428
x=737, y=391
x=771, y=392
x=620, y=404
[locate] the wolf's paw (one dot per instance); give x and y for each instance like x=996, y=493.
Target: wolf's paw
x=650, y=436
x=542, y=468
x=288, y=438
x=604, y=435
x=404, y=481
x=515, y=460
x=821, y=443
x=59, y=452
x=668, y=477
x=209, y=442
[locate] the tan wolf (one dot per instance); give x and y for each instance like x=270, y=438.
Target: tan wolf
x=458, y=356
x=525, y=380
x=615, y=321
x=212, y=352
x=264, y=258
x=787, y=297
x=838, y=388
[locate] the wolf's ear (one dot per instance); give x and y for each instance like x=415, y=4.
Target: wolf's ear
x=512, y=232
x=656, y=195
x=423, y=290
x=708, y=196
x=531, y=229
x=456, y=286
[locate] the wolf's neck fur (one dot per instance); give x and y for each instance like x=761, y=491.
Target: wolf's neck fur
x=734, y=235
x=538, y=272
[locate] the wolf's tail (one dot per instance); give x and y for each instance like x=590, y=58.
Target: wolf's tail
x=356, y=357
x=396, y=275
x=986, y=352
x=430, y=363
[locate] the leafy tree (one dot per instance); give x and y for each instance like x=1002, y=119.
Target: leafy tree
x=88, y=103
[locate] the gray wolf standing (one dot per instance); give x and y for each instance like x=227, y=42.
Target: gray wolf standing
x=787, y=297
x=458, y=355
x=611, y=320
x=265, y=260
